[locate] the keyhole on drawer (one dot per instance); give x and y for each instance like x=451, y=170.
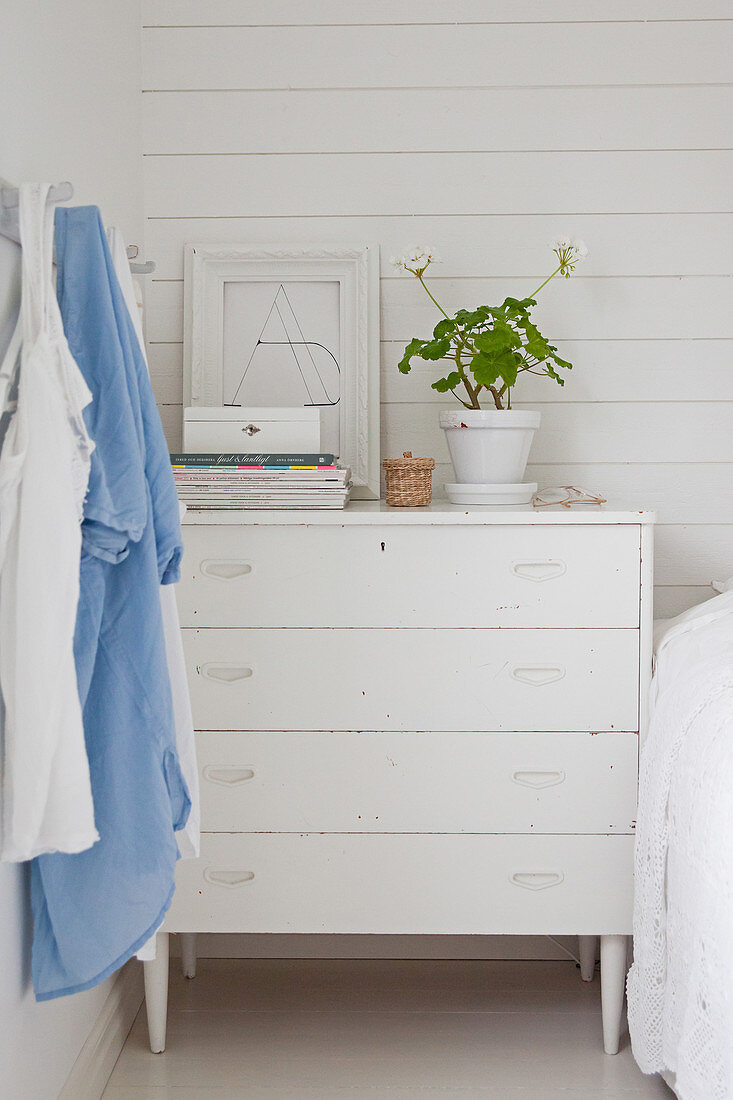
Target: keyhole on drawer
x=382, y=545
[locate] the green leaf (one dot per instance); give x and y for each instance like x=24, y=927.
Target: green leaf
x=409, y=353
x=528, y=328
x=538, y=347
x=508, y=365
x=469, y=319
x=447, y=385
x=484, y=369
x=551, y=373
x=434, y=349
x=499, y=339
x=443, y=328
x=518, y=307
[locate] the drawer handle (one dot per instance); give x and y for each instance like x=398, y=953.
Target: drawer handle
x=536, y=880
x=226, y=674
x=229, y=879
x=537, y=675
x=228, y=777
x=538, y=780
x=539, y=570
x=225, y=570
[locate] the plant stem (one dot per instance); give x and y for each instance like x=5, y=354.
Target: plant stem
x=460, y=400
x=470, y=390
x=539, y=288
x=461, y=344
x=432, y=299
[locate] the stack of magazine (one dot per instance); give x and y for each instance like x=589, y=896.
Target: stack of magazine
x=260, y=480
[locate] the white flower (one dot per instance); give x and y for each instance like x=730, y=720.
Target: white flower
x=416, y=260
x=569, y=253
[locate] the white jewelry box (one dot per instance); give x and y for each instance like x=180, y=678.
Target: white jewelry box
x=239, y=429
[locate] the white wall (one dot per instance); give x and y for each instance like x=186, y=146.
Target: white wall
x=69, y=78
x=483, y=127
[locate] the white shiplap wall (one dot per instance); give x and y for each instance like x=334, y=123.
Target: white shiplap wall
x=483, y=127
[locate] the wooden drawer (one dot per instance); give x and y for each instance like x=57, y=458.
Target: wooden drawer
x=554, y=680
x=370, y=883
x=418, y=782
x=431, y=576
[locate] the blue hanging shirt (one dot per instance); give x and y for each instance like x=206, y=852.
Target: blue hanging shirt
x=93, y=910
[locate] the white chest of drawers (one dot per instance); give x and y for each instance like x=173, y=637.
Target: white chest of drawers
x=416, y=721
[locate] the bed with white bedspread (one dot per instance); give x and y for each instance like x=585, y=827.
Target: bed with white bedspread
x=680, y=988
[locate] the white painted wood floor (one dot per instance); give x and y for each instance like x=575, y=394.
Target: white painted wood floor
x=379, y=1029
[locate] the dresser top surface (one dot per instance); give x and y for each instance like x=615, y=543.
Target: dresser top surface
x=368, y=512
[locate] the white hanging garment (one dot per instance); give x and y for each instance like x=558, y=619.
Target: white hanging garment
x=44, y=470
x=189, y=838
x=131, y=290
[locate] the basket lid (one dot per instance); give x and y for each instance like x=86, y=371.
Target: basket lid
x=407, y=462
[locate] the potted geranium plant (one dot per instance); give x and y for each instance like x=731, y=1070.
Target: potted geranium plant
x=488, y=349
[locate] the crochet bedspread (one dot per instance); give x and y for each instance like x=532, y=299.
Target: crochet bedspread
x=680, y=988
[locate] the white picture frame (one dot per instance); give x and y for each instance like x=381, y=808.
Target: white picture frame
x=344, y=280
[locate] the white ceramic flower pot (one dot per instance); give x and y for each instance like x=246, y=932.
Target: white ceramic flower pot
x=489, y=446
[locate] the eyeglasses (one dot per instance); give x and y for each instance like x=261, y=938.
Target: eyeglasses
x=566, y=495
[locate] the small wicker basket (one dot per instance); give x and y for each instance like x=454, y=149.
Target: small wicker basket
x=409, y=481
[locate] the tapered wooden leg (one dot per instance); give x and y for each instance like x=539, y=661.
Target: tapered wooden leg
x=188, y=954
x=156, y=993
x=613, y=982
x=587, y=955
